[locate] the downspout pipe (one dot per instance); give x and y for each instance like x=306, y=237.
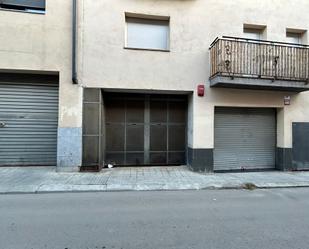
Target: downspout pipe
x=74, y=43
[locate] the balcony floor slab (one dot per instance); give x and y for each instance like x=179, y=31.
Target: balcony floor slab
x=258, y=84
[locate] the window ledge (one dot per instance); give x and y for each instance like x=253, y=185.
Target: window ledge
x=24, y=11
x=148, y=49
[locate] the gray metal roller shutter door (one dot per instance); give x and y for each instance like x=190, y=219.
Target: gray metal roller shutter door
x=245, y=138
x=30, y=115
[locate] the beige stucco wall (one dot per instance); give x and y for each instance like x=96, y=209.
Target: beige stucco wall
x=43, y=43
x=194, y=24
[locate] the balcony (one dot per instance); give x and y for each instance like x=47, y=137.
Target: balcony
x=253, y=64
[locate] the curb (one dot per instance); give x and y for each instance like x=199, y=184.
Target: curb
x=104, y=188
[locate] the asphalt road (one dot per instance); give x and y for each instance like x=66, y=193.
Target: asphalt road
x=224, y=219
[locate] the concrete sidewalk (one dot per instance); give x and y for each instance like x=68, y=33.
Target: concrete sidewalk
x=46, y=179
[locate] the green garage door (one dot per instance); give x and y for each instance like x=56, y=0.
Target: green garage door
x=245, y=138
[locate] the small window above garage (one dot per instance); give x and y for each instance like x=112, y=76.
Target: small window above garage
x=32, y=6
x=147, y=32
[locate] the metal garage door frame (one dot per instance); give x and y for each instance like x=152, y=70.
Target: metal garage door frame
x=232, y=161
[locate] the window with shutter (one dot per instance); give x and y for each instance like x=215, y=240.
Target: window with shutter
x=144, y=33
x=24, y=5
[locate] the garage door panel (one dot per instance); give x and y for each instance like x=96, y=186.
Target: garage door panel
x=245, y=138
x=116, y=110
x=149, y=135
x=177, y=138
x=135, y=137
x=158, y=137
x=135, y=111
x=135, y=158
x=158, y=158
x=176, y=158
x=30, y=114
x=177, y=113
x=115, y=158
x=115, y=136
x=158, y=111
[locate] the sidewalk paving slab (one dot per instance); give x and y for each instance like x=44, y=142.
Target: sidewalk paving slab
x=47, y=180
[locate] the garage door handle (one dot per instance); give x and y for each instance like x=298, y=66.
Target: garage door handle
x=2, y=124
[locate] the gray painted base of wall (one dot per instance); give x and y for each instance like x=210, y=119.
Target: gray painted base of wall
x=201, y=160
x=284, y=159
x=69, y=150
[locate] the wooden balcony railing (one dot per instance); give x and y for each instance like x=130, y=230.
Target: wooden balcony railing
x=239, y=57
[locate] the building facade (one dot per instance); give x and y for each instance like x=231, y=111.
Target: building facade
x=213, y=85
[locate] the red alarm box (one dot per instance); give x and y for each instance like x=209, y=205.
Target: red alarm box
x=201, y=90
